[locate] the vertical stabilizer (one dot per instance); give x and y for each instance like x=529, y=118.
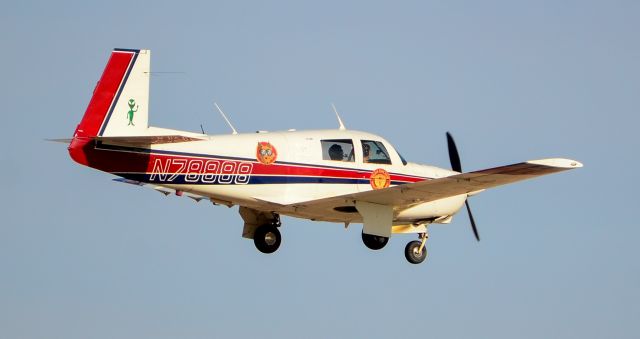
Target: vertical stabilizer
x=120, y=102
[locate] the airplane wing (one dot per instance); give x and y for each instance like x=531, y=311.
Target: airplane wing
x=404, y=196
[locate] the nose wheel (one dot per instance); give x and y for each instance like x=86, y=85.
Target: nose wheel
x=415, y=251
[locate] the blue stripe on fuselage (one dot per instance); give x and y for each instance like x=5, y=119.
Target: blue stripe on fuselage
x=181, y=179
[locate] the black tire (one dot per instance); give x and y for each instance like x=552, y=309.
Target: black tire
x=374, y=242
x=267, y=238
x=411, y=252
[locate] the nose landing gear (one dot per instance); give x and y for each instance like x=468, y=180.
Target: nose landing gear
x=415, y=251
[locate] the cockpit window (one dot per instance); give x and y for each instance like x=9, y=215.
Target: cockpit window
x=337, y=150
x=374, y=152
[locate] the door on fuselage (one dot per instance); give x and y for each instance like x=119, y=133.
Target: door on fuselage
x=304, y=156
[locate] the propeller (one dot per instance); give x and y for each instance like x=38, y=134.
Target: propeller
x=454, y=158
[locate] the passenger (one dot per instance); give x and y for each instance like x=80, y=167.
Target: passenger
x=336, y=152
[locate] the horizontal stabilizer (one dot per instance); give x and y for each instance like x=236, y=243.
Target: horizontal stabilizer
x=144, y=140
x=134, y=141
x=164, y=190
x=64, y=141
x=129, y=181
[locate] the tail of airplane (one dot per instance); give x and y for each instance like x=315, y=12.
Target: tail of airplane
x=118, y=113
x=120, y=102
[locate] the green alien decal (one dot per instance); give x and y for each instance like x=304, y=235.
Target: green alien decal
x=131, y=103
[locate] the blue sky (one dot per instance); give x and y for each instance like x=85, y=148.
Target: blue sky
x=84, y=257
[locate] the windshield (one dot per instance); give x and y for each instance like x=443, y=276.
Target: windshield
x=374, y=152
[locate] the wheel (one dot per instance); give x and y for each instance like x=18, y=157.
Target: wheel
x=374, y=242
x=267, y=238
x=411, y=252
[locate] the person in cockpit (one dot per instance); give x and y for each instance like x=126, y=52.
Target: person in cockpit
x=336, y=152
x=366, y=148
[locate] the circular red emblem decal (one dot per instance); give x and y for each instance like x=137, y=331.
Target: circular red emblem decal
x=380, y=179
x=266, y=153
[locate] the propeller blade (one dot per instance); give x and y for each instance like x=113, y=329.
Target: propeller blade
x=473, y=223
x=454, y=157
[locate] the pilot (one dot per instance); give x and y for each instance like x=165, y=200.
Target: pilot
x=365, y=152
x=336, y=152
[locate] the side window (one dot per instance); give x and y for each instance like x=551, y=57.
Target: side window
x=337, y=150
x=374, y=152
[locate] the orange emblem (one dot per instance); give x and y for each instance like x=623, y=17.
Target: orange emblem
x=266, y=153
x=380, y=179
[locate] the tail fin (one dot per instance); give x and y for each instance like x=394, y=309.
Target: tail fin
x=120, y=102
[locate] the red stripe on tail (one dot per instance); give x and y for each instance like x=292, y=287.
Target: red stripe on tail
x=101, y=101
x=104, y=94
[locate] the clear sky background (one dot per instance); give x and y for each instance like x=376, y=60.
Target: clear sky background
x=84, y=257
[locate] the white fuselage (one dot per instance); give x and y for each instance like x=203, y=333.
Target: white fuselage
x=227, y=169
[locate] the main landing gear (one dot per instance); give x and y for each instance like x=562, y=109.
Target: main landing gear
x=374, y=242
x=262, y=227
x=267, y=238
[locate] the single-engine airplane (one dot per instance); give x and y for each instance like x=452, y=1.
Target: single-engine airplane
x=340, y=176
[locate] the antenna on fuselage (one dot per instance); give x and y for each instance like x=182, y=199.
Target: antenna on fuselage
x=225, y=118
x=342, y=128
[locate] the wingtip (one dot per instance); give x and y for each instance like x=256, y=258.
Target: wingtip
x=557, y=162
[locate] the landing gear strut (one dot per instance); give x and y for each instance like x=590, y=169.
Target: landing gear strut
x=415, y=252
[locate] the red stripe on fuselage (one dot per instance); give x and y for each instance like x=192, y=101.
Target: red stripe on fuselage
x=120, y=162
